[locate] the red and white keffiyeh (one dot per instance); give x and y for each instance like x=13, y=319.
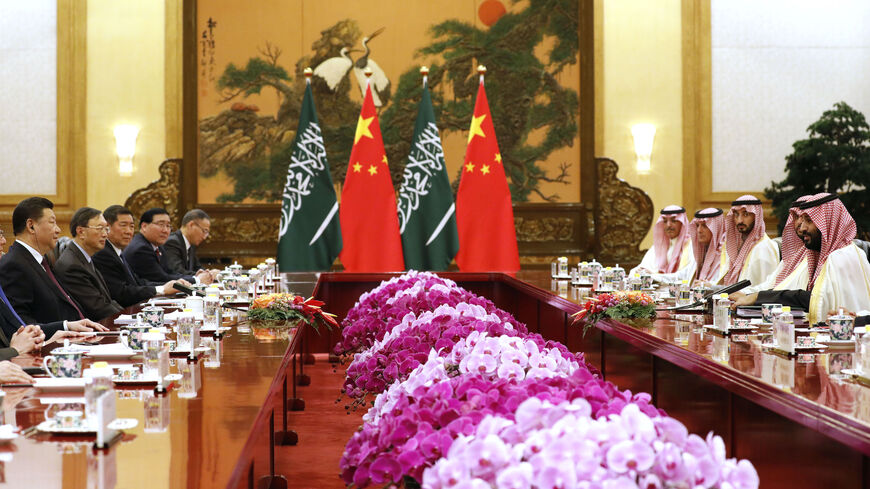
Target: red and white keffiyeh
x=836, y=225
x=708, y=261
x=792, y=248
x=661, y=242
x=737, y=253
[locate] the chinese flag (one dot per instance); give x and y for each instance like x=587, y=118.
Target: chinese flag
x=369, y=220
x=484, y=216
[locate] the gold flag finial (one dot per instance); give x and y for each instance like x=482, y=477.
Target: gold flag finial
x=481, y=69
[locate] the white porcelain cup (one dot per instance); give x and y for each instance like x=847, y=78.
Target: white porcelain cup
x=194, y=303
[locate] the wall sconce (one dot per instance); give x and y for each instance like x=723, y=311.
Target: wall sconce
x=644, y=135
x=125, y=146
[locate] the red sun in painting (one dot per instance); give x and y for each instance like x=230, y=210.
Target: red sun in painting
x=490, y=11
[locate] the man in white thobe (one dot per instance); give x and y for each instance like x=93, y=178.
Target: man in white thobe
x=748, y=254
x=834, y=273
x=670, y=257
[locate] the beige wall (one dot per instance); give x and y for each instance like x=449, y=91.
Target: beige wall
x=641, y=81
x=125, y=73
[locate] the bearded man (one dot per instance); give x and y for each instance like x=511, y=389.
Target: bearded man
x=748, y=253
x=834, y=272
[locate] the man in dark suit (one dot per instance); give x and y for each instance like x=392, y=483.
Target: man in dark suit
x=75, y=268
x=125, y=286
x=146, y=255
x=30, y=284
x=182, y=244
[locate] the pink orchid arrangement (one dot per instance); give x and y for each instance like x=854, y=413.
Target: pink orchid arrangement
x=492, y=357
x=563, y=445
x=420, y=427
x=361, y=333
x=467, y=398
x=374, y=300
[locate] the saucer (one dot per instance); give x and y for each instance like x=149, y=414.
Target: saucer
x=8, y=433
x=137, y=381
x=173, y=377
x=835, y=343
x=59, y=383
x=51, y=426
x=123, y=424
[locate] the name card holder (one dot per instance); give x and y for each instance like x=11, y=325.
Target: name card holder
x=105, y=415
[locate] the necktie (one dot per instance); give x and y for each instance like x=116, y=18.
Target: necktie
x=129, y=271
x=9, y=305
x=59, y=288
x=157, y=250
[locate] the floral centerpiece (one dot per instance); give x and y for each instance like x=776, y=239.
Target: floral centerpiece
x=291, y=307
x=360, y=334
x=616, y=305
x=564, y=445
x=419, y=428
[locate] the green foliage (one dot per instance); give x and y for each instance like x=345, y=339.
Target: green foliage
x=834, y=158
x=252, y=78
x=526, y=99
x=524, y=94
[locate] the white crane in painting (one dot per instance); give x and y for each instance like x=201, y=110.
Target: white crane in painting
x=380, y=82
x=333, y=70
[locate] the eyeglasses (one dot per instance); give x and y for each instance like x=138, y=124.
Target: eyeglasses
x=204, y=230
x=162, y=225
x=100, y=229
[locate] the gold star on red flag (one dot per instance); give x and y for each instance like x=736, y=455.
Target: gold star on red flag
x=384, y=159
x=372, y=169
x=498, y=157
x=357, y=167
x=362, y=128
x=469, y=166
x=484, y=169
x=476, y=130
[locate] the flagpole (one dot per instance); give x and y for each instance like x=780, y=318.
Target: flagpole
x=368, y=73
x=482, y=70
x=425, y=72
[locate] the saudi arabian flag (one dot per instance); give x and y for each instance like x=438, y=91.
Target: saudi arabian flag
x=309, y=237
x=427, y=214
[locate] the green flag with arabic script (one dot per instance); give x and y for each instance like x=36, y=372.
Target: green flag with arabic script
x=309, y=236
x=427, y=214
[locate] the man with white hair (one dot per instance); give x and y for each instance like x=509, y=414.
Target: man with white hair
x=748, y=254
x=834, y=272
x=707, y=232
x=670, y=257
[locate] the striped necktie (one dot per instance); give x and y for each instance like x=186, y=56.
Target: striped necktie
x=9, y=305
x=62, y=292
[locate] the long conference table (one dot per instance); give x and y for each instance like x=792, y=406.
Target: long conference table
x=797, y=419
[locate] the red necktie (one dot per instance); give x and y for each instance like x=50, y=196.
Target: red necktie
x=157, y=250
x=57, y=284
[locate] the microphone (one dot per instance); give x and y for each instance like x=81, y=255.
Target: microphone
x=188, y=290
x=728, y=289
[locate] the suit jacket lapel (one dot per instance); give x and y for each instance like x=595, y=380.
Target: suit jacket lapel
x=37, y=268
x=91, y=270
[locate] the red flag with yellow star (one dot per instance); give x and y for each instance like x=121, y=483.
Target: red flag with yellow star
x=369, y=220
x=484, y=216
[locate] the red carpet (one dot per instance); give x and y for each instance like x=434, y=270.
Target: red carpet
x=323, y=427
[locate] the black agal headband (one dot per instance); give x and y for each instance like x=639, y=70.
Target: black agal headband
x=716, y=212
x=821, y=200
x=674, y=211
